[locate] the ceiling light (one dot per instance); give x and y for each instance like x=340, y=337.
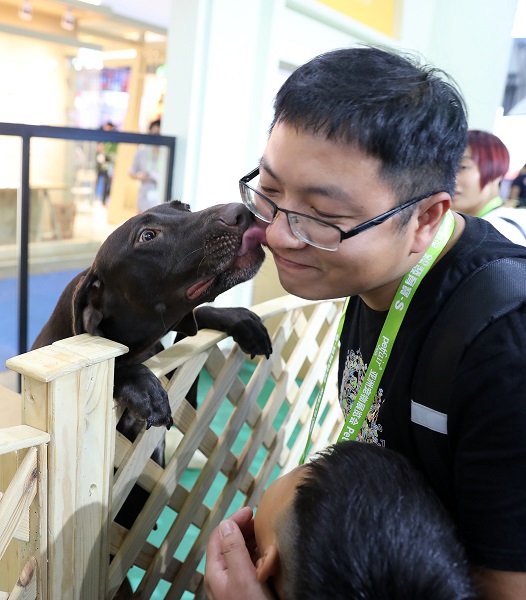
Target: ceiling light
x=68, y=20
x=25, y=11
x=151, y=37
x=88, y=59
x=119, y=54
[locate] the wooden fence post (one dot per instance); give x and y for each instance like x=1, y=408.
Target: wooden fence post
x=67, y=390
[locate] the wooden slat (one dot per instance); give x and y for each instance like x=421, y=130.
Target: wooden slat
x=20, y=437
x=66, y=356
x=26, y=586
x=9, y=565
x=22, y=531
x=17, y=498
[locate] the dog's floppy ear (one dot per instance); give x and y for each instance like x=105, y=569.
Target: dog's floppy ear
x=87, y=304
x=187, y=325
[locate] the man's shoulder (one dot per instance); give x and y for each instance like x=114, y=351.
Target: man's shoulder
x=481, y=241
x=479, y=245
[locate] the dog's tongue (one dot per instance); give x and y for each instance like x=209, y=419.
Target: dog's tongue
x=199, y=288
x=252, y=237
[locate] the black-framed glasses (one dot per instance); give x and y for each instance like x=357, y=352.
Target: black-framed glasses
x=310, y=230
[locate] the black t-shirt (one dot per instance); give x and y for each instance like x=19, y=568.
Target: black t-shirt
x=486, y=411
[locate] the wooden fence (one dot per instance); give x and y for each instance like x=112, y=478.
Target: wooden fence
x=66, y=474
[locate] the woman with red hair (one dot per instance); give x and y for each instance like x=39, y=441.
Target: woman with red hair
x=484, y=163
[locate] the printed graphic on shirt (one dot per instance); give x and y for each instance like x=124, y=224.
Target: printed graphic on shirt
x=353, y=375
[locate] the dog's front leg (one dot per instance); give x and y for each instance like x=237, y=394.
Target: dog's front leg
x=245, y=327
x=142, y=393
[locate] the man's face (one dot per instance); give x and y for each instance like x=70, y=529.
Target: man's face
x=469, y=198
x=340, y=184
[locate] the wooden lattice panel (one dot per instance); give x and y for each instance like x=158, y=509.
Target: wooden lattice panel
x=22, y=500
x=251, y=425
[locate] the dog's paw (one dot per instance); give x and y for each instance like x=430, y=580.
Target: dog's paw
x=249, y=332
x=144, y=396
x=245, y=327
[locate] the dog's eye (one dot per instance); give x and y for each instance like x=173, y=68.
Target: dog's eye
x=147, y=235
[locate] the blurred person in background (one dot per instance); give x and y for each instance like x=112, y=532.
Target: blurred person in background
x=518, y=188
x=483, y=166
x=146, y=169
x=106, y=152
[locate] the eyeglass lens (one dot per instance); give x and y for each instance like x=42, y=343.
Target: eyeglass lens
x=305, y=228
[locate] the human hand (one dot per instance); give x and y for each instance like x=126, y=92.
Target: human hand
x=230, y=573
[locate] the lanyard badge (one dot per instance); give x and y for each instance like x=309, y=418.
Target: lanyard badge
x=406, y=290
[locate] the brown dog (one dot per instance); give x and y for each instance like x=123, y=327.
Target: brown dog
x=146, y=280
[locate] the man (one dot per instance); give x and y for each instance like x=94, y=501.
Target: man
x=356, y=184
x=146, y=168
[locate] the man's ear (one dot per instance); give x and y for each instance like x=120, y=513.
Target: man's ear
x=87, y=305
x=428, y=220
x=269, y=565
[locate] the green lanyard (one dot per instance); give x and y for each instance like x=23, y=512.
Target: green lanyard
x=395, y=316
x=491, y=205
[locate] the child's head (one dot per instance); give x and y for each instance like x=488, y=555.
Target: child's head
x=356, y=523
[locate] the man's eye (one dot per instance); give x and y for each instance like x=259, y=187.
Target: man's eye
x=147, y=235
x=327, y=217
x=267, y=191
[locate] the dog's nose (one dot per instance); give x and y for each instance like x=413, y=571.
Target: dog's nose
x=235, y=215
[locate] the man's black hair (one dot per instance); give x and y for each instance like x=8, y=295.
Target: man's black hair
x=408, y=115
x=364, y=526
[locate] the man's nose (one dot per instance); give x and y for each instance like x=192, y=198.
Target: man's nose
x=279, y=234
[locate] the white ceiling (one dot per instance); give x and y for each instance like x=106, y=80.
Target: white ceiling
x=154, y=12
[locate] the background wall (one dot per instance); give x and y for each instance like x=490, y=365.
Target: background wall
x=17, y=99
x=471, y=40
